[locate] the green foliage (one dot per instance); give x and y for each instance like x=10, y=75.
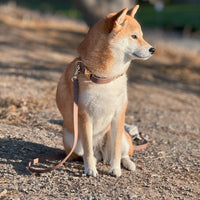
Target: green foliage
x=175, y=16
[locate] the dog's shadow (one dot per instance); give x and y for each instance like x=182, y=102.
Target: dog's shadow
x=19, y=153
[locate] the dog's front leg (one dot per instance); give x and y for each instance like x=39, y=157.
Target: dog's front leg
x=86, y=134
x=117, y=128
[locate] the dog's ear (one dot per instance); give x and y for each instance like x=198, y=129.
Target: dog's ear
x=133, y=11
x=115, y=20
x=119, y=18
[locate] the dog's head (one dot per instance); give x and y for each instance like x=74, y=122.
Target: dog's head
x=118, y=36
x=127, y=36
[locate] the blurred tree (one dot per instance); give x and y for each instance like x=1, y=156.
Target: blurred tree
x=93, y=10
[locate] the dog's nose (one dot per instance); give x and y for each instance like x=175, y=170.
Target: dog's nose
x=152, y=50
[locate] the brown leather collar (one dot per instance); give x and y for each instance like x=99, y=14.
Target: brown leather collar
x=94, y=78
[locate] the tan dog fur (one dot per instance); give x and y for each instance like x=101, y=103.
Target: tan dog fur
x=106, y=51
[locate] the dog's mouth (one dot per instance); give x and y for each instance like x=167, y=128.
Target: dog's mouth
x=142, y=57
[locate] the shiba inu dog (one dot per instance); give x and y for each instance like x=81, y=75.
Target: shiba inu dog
x=106, y=53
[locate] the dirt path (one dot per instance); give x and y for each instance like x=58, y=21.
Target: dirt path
x=164, y=101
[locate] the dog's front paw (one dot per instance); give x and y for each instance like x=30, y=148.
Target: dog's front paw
x=115, y=172
x=91, y=171
x=90, y=166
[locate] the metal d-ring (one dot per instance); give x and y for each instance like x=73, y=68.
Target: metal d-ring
x=75, y=76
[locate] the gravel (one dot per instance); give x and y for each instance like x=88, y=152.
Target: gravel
x=164, y=102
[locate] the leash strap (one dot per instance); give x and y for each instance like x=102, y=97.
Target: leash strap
x=62, y=155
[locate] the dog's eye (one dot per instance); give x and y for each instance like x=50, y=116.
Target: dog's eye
x=134, y=36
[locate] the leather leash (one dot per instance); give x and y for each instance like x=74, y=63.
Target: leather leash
x=80, y=68
x=62, y=155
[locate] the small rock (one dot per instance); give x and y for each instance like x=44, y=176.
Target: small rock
x=3, y=193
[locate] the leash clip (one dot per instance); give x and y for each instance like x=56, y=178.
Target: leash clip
x=75, y=76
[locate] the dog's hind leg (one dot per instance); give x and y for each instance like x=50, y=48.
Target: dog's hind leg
x=68, y=139
x=128, y=164
x=127, y=150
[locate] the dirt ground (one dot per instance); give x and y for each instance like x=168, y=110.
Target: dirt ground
x=164, y=102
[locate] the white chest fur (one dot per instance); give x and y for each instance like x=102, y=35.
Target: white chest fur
x=103, y=101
